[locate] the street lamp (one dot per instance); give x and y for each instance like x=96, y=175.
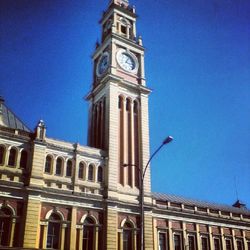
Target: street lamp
x=141, y=186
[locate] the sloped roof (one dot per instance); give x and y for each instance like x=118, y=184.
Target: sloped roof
x=10, y=119
x=204, y=204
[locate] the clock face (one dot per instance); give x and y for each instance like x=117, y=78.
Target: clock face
x=127, y=61
x=103, y=64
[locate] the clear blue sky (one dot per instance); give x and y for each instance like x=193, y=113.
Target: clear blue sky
x=197, y=63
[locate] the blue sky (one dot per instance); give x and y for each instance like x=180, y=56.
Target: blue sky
x=197, y=64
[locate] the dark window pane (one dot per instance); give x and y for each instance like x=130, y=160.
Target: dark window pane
x=24, y=159
x=12, y=157
x=239, y=245
x=228, y=244
x=204, y=243
x=162, y=241
x=91, y=173
x=2, y=154
x=69, y=168
x=81, y=171
x=48, y=164
x=5, y=226
x=191, y=242
x=177, y=242
x=100, y=174
x=59, y=166
x=216, y=244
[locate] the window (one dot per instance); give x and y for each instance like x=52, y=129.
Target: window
x=229, y=244
x=91, y=173
x=88, y=234
x=54, y=228
x=5, y=226
x=12, y=157
x=2, y=155
x=162, y=241
x=191, y=242
x=204, y=243
x=239, y=245
x=48, y=164
x=216, y=244
x=177, y=242
x=100, y=174
x=69, y=168
x=81, y=170
x=59, y=166
x=24, y=159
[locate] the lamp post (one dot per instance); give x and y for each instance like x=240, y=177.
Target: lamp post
x=141, y=186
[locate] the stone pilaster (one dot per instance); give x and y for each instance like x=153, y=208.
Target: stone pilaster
x=148, y=232
x=112, y=230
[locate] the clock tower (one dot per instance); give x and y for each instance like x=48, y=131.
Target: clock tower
x=118, y=111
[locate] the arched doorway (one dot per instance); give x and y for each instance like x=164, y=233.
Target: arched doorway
x=127, y=236
x=54, y=230
x=88, y=241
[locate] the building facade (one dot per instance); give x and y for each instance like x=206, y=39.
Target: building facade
x=59, y=195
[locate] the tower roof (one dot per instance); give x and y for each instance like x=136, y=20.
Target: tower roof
x=9, y=119
x=124, y=3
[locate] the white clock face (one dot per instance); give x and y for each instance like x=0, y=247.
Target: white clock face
x=102, y=64
x=127, y=61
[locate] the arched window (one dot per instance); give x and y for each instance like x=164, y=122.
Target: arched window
x=54, y=229
x=5, y=226
x=88, y=234
x=2, y=155
x=24, y=159
x=91, y=173
x=48, y=164
x=69, y=168
x=12, y=157
x=127, y=236
x=59, y=163
x=100, y=174
x=81, y=170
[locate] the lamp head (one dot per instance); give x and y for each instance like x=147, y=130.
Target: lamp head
x=167, y=140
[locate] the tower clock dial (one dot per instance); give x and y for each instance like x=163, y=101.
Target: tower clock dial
x=102, y=64
x=127, y=60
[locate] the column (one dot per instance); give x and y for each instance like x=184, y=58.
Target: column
x=80, y=237
x=244, y=239
x=73, y=229
x=135, y=238
x=12, y=232
x=32, y=224
x=211, y=238
x=234, y=240
x=96, y=238
x=62, y=243
x=45, y=233
x=132, y=146
x=184, y=231
x=223, y=243
x=198, y=236
x=125, y=142
x=121, y=240
x=170, y=235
